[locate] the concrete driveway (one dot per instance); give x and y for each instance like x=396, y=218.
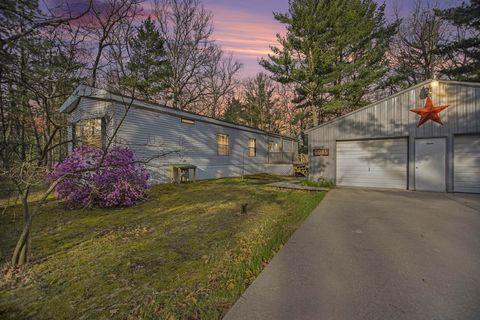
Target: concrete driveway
x=370, y=254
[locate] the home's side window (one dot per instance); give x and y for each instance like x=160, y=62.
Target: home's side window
x=89, y=132
x=252, y=147
x=222, y=144
x=270, y=146
x=187, y=121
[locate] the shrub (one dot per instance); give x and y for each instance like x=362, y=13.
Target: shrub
x=116, y=181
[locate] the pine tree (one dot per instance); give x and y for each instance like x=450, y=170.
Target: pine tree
x=235, y=111
x=259, y=108
x=333, y=51
x=466, y=17
x=260, y=103
x=148, y=65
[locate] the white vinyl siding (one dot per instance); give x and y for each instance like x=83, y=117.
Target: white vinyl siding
x=466, y=164
x=372, y=163
x=90, y=109
x=164, y=139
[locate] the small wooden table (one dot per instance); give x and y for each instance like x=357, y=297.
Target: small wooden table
x=179, y=169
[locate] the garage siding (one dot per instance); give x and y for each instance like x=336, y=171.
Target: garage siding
x=466, y=164
x=391, y=118
x=373, y=163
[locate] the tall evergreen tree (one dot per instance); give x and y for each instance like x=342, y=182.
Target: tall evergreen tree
x=235, y=111
x=260, y=103
x=259, y=107
x=467, y=17
x=149, y=66
x=333, y=50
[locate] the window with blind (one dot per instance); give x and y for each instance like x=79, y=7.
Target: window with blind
x=252, y=147
x=222, y=144
x=89, y=132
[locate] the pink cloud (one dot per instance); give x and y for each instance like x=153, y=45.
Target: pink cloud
x=247, y=35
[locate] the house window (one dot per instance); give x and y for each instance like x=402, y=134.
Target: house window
x=252, y=147
x=222, y=144
x=270, y=147
x=188, y=121
x=89, y=132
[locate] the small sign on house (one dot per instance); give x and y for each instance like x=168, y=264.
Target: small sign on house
x=323, y=152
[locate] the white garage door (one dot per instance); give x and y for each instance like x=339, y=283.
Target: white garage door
x=373, y=163
x=466, y=164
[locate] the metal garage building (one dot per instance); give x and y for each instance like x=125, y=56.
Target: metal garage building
x=381, y=146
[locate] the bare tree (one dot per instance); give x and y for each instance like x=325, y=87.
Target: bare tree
x=187, y=28
x=41, y=71
x=52, y=80
x=21, y=18
x=291, y=120
x=219, y=82
x=27, y=173
x=414, y=54
x=43, y=66
x=108, y=26
x=46, y=61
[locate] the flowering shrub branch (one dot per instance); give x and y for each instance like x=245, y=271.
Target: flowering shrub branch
x=98, y=178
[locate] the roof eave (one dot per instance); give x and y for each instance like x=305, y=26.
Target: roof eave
x=70, y=104
x=83, y=90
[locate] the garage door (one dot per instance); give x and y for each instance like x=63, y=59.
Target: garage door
x=466, y=164
x=373, y=163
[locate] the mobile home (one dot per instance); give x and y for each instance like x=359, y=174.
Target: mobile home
x=164, y=137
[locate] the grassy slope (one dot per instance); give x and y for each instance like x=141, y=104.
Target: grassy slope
x=182, y=254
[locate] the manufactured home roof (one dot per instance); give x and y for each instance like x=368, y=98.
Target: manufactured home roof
x=100, y=94
x=474, y=84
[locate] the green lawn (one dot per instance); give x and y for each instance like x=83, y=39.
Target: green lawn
x=322, y=184
x=183, y=254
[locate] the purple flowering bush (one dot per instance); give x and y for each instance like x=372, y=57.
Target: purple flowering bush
x=118, y=181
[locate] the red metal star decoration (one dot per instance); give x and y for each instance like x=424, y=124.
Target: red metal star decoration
x=429, y=112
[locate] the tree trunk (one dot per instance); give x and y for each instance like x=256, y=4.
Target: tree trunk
x=23, y=258
x=315, y=115
x=20, y=254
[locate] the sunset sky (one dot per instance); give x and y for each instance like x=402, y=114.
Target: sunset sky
x=247, y=27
